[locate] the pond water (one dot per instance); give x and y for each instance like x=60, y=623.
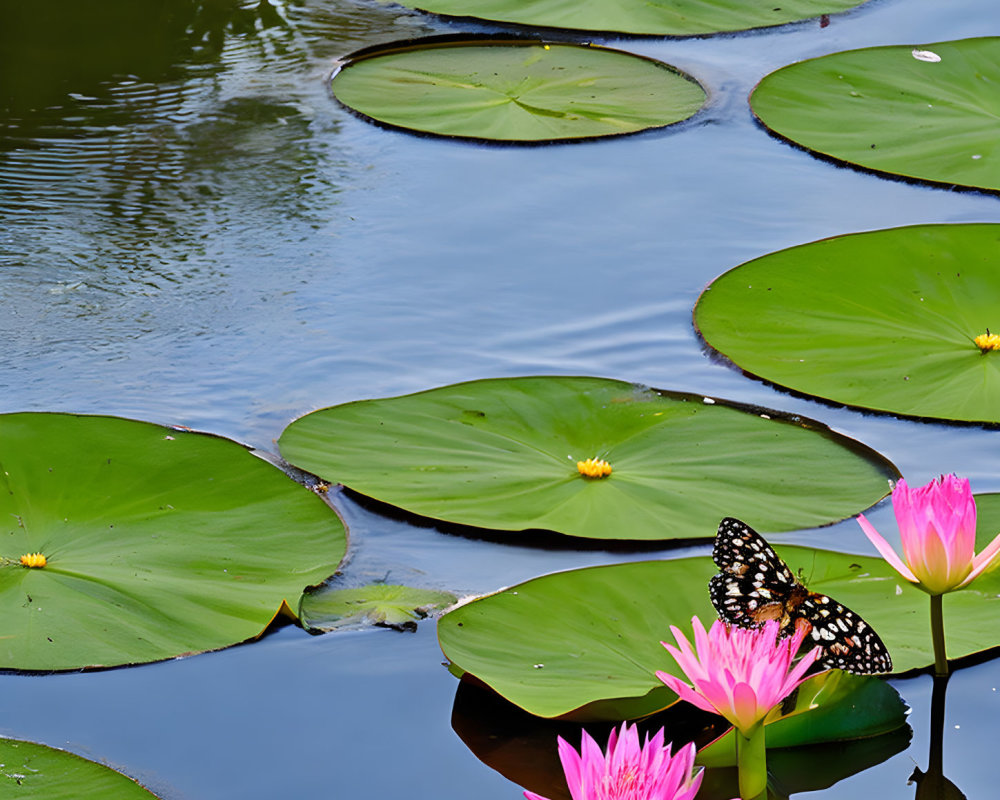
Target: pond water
x=193, y=232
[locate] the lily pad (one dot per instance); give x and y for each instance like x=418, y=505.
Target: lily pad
x=513, y=90
x=883, y=320
x=29, y=770
x=327, y=609
x=504, y=454
x=927, y=112
x=671, y=18
x=157, y=542
x=585, y=644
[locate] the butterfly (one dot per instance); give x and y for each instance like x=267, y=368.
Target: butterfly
x=754, y=585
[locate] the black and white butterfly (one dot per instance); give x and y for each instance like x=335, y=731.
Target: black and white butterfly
x=754, y=585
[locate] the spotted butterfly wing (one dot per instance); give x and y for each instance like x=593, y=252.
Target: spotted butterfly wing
x=754, y=585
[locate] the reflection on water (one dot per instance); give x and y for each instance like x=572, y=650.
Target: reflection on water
x=932, y=784
x=61, y=48
x=523, y=747
x=150, y=148
x=191, y=231
x=138, y=134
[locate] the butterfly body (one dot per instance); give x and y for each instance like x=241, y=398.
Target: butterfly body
x=754, y=586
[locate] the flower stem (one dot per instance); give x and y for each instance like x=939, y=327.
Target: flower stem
x=751, y=759
x=937, y=636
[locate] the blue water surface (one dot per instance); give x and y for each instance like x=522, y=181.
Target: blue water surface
x=193, y=232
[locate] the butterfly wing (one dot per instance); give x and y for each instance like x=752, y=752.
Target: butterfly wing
x=849, y=643
x=739, y=602
x=739, y=550
x=753, y=584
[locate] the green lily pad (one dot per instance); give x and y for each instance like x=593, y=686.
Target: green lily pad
x=514, y=90
x=987, y=522
x=378, y=604
x=884, y=320
x=503, y=454
x=158, y=542
x=585, y=644
x=671, y=18
x=926, y=112
x=29, y=770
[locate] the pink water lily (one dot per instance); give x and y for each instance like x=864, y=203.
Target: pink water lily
x=937, y=524
x=739, y=673
x=629, y=771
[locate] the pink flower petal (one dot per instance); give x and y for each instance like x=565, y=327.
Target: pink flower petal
x=628, y=770
x=740, y=674
x=573, y=764
x=685, y=692
x=981, y=562
x=937, y=525
x=885, y=549
x=746, y=712
x=941, y=569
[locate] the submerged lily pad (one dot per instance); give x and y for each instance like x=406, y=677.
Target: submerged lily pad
x=327, y=609
x=833, y=706
x=883, y=320
x=586, y=643
x=671, y=18
x=504, y=454
x=156, y=542
x=29, y=770
x=810, y=768
x=522, y=748
x=514, y=90
x=926, y=112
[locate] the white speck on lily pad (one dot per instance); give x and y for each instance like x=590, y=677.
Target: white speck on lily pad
x=926, y=55
x=976, y=157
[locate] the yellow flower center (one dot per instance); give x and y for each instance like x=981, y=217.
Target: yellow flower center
x=988, y=341
x=594, y=468
x=33, y=560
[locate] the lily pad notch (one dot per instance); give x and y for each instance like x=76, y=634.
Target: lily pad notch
x=126, y=542
x=513, y=90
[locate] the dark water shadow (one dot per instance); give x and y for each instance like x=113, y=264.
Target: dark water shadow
x=522, y=747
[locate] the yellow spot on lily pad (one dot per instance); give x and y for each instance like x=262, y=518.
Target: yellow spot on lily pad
x=594, y=468
x=33, y=560
x=988, y=341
